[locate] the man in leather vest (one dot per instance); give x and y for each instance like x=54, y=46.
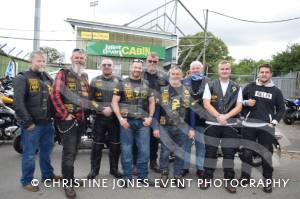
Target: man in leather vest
x=173, y=113
x=133, y=103
x=196, y=83
x=106, y=122
x=70, y=99
x=223, y=99
x=34, y=111
x=155, y=79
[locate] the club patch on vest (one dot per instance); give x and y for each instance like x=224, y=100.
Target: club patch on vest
x=137, y=92
x=144, y=94
x=233, y=89
x=165, y=97
x=98, y=94
x=34, y=85
x=69, y=107
x=128, y=93
x=98, y=83
x=186, y=99
x=72, y=86
x=49, y=88
x=84, y=89
x=116, y=91
x=214, y=98
x=175, y=104
x=162, y=120
x=263, y=95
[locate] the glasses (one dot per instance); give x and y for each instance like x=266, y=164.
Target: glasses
x=138, y=60
x=152, y=61
x=106, y=65
x=78, y=50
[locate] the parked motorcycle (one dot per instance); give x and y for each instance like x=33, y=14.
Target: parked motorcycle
x=292, y=112
x=8, y=123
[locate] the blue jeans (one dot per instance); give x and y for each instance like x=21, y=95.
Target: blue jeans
x=200, y=150
x=40, y=138
x=140, y=135
x=172, y=140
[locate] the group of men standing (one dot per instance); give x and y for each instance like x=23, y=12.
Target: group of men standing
x=138, y=112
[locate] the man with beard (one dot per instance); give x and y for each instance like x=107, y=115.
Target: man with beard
x=196, y=83
x=173, y=113
x=69, y=97
x=106, y=123
x=263, y=103
x=134, y=105
x=34, y=111
x=223, y=99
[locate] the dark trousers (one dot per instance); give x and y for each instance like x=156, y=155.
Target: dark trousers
x=153, y=146
x=105, y=128
x=70, y=142
x=259, y=140
x=227, y=137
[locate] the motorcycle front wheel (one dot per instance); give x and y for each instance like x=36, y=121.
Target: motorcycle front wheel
x=17, y=144
x=287, y=120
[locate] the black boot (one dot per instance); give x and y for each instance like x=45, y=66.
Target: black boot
x=268, y=186
x=114, y=154
x=154, y=166
x=164, y=179
x=96, y=155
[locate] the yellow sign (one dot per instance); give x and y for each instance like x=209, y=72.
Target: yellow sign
x=95, y=35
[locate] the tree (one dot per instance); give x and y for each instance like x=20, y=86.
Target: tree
x=245, y=71
x=53, y=56
x=245, y=67
x=216, y=50
x=286, y=61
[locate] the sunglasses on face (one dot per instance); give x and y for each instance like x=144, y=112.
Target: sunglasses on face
x=152, y=61
x=138, y=60
x=106, y=65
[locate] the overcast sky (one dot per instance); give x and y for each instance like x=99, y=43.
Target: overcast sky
x=245, y=40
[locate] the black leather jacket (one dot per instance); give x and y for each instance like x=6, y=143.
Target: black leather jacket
x=31, y=97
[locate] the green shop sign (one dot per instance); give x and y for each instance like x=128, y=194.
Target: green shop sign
x=122, y=50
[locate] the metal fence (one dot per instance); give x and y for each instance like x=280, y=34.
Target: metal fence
x=5, y=59
x=289, y=84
